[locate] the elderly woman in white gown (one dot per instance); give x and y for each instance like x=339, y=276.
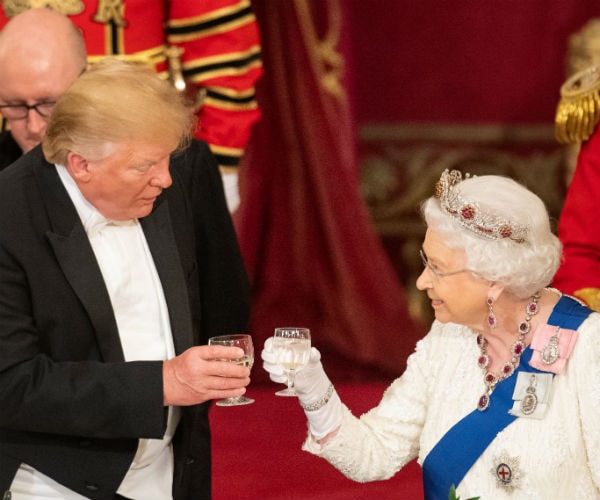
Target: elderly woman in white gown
x=501, y=399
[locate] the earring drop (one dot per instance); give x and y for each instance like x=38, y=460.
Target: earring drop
x=491, y=315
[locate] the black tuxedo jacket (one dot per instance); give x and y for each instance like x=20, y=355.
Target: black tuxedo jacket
x=69, y=404
x=9, y=149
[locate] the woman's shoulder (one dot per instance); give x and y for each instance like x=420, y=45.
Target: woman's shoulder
x=586, y=350
x=445, y=331
x=589, y=330
x=446, y=338
x=571, y=313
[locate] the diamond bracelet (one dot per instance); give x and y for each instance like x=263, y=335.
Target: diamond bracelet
x=319, y=403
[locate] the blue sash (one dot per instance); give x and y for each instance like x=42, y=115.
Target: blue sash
x=456, y=452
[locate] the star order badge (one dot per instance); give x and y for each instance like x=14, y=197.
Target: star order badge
x=507, y=472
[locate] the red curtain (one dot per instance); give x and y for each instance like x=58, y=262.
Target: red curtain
x=312, y=254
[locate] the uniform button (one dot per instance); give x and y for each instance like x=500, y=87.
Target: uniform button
x=189, y=461
x=91, y=486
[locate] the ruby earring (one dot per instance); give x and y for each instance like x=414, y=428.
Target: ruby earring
x=491, y=315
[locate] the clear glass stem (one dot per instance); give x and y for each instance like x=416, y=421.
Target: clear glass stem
x=291, y=377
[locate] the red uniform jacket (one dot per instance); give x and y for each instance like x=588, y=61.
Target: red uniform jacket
x=220, y=54
x=579, y=228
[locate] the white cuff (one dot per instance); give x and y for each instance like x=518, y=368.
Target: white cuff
x=327, y=418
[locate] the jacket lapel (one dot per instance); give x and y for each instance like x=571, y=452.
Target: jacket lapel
x=161, y=241
x=77, y=261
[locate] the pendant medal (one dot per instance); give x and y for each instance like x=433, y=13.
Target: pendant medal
x=550, y=350
x=530, y=401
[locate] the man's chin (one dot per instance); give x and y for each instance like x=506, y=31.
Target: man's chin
x=144, y=211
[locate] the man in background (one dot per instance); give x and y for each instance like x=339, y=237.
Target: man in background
x=209, y=49
x=41, y=54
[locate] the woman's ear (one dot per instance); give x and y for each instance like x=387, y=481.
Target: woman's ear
x=495, y=291
x=78, y=167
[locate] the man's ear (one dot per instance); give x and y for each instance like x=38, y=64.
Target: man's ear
x=78, y=167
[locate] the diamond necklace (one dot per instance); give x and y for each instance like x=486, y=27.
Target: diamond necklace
x=491, y=379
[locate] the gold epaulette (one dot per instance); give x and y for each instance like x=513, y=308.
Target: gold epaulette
x=578, y=110
x=591, y=296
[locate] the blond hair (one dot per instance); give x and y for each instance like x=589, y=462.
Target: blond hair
x=116, y=102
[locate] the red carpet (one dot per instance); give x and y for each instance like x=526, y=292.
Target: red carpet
x=257, y=455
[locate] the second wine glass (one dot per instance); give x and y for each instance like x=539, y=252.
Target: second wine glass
x=292, y=350
x=244, y=342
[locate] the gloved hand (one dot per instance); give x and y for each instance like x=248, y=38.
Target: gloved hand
x=275, y=371
x=316, y=394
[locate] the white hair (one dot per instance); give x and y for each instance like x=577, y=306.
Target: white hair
x=522, y=268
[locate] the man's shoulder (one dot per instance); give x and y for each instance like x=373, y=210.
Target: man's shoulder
x=9, y=150
x=197, y=184
x=196, y=151
x=195, y=161
x=16, y=178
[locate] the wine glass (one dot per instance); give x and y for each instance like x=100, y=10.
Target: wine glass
x=291, y=346
x=244, y=342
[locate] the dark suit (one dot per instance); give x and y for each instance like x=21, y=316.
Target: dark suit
x=69, y=404
x=9, y=149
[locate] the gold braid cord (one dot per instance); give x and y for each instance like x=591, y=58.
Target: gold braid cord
x=578, y=111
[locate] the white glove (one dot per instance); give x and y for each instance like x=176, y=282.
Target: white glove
x=275, y=371
x=316, y=394
x=232, y=193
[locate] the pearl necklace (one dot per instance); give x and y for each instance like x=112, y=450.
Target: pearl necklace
x=492, y=379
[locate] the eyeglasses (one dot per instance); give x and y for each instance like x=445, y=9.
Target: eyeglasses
x=21, y=111
x=434, y=270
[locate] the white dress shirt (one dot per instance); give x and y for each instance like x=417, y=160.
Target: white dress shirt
x=142, y=318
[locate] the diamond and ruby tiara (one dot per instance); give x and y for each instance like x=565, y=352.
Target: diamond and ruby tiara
x=468, y=213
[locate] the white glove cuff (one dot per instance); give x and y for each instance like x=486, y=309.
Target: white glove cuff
x=327, y=418
x=319, y=403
